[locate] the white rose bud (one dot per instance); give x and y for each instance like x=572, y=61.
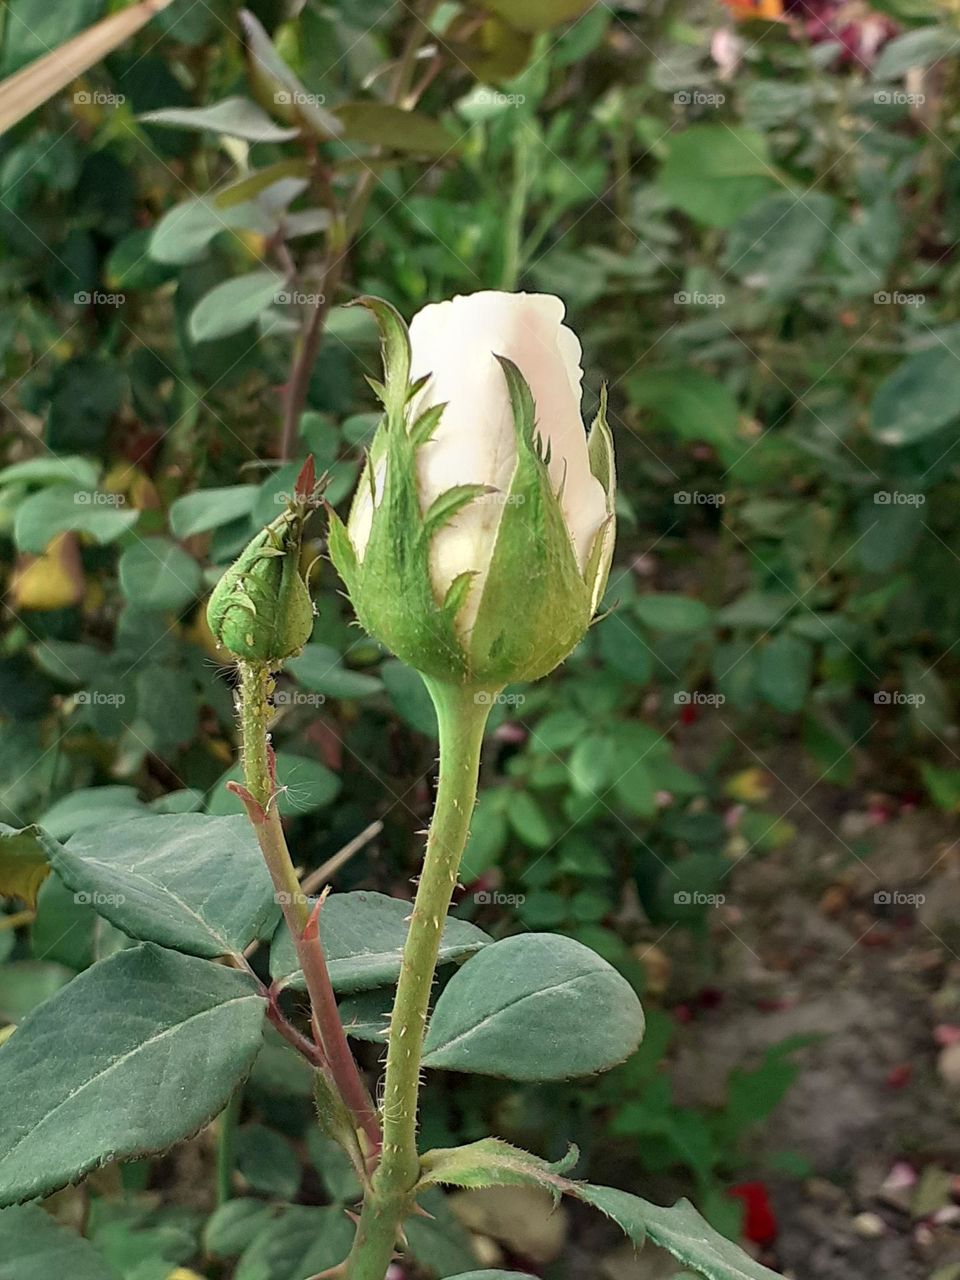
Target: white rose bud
x=480, y=538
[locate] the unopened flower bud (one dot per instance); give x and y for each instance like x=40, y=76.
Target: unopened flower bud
x=260, y=610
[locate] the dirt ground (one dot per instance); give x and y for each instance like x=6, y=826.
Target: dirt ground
x=850, y=933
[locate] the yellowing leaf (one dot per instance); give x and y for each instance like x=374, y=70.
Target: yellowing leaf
x=750, y=786
x=23, y=864
x=53, y=580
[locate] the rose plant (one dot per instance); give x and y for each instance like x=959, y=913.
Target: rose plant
x=477, y=549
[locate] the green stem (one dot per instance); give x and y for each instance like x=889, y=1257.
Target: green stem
x=462, y=715
x=255, y=685
x=226, y=1146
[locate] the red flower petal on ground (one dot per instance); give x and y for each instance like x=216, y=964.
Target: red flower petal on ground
x=759, y=1223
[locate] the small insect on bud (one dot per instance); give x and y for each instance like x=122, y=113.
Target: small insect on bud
x=261, y=610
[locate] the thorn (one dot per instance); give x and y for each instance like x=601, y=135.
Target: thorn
x=255, y=810
x=311, y=930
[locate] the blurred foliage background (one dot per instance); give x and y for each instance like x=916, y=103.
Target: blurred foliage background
x=750, y=212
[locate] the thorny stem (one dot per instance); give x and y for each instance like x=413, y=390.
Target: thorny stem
x=462, y=715
x=261, y=806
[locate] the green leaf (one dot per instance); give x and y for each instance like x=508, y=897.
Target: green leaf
x=494, y=1163
x=692, y=403
x=438, y=1242
x=90, y=807
x=184, y=232
x=714, y=173
x=276, y=85
x=233, y=305
x=918, y=398
x=233, y=1226
x=188, y=881
x=236, y=117
x=677, y=615
x=23, y=863
x=538, y=15
x=108, y=1068
x=321, y=668
x=302, y=1241
x=494, y=1275
x=157, y=574
x=267, y=1162
x=77, y=471
x=785, y=670
x=306, y=785
x=211, y=508
x=409, y=696
x=776, y=244
x=680, y=1230
x=34, y=1244
x=363, y=935
x=59, y=508
x=381, y=125
x=520, y=1009
x=917, y=48
x=28, y=983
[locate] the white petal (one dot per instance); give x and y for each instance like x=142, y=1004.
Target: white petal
x=456, y=342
